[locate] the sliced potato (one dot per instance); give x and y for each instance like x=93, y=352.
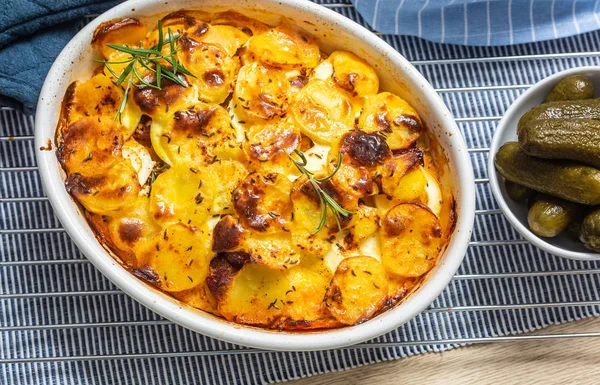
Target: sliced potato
x=97, y=96
x=285, y=46
x=261, y=93
x=182, y=257
x=393, y=117
x=306, y=219
x=214, y=69
x=244, y=23
x=201, y=134
x=127, y=31
x=161, y=104
x=358, y=289
x=308, y=283
x=255, y=296
x=227, y=37
x=90, y=147
x=190, y=202
x=322, y=111
x=350, y=73
x=131, y=230
x=410, y=238
x=228, y=174
x=262, y=201
x=403, y=179
x=267, y=146
x=364, y=224
x=273, y=249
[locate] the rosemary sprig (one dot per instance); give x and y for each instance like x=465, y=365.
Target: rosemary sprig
x=325, y=199
x=150, y=59
x=154, y=173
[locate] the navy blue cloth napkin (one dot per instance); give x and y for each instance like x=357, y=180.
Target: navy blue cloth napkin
x=32, y=34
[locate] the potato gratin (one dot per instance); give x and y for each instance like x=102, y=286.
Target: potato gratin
x=237, y=167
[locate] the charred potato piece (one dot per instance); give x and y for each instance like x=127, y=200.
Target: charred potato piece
x=362, y=149
x=184, y=194
x=410, y=237
x=182, y=257
x=127, y=31
x=348, y=72
x=262, y=201
x=201, y=134
x=228, y=236
x=392, y=117
x=285, y=46
x=358, y=289
x=261, y=93
x=323, y=112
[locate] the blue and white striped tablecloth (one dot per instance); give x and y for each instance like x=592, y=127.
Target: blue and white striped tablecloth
x=45, y=333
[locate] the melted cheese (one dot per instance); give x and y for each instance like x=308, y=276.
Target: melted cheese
x=225, y=204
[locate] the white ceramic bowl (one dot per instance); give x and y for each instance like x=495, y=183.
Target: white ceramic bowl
x=333, y=31
x=516, y=212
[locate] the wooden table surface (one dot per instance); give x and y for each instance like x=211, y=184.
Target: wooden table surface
x=564, y=361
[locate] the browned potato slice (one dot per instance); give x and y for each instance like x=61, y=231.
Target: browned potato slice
x=245, y=24
x=261, y=93
x=96, y=96
x=198, y=297
x=410, y=238
x=255, y=295
x=362, y=149
x=273, y=249
x=214, y=69
x=262, y=201
x=400, y=287
x=183, y=194
x=322, y=111
x=128, y=31
x=228, y=236
x=131, y=231
x=358, y=289
x=201, y=134
x=285, y=46
x=182, y=257
x=393, y=117
x=349, y=72
x=185, y=17
x=90, y=147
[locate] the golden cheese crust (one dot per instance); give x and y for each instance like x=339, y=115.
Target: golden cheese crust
x=194, y=190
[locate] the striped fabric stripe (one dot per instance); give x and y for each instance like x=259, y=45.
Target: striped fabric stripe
x=56, y=309
x=469, y=22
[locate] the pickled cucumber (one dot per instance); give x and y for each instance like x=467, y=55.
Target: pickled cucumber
x=564, y=179
x=590, y=230
x=550, y=216
x=580, y=109
x=574, y=139
x=517, y=192
x=576, y=87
